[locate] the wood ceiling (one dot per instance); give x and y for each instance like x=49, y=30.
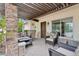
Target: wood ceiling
x=32, y=10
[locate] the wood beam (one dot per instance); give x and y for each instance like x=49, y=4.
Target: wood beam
x=55, y=4
x=67, y=4
x=48, y=5
x=31, y=7
x=41, y=7
x=45, y=6
x=25, y=10
x=52, y=11
x=63, y=4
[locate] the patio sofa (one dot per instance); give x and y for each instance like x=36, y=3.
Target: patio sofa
x=52, y=39
x=27, y=40
x=65, y=48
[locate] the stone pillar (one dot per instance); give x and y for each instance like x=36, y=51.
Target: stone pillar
x=11, y=36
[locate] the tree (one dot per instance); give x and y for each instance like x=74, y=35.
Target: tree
x=3, y=27
x=20, y=25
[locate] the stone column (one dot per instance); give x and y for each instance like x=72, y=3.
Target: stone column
x=11, y=36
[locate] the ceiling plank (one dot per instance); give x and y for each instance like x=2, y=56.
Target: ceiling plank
x=67, y=4
x=31, y=7
x=63, y=4
x=41, y=7
x=37, y=6
x=45, y=6
x=56, y=9
x=55, y=4
x=24, y=9
x=48, y=5
x=32, y=10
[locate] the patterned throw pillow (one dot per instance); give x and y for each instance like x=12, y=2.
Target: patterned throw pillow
x=52, y=35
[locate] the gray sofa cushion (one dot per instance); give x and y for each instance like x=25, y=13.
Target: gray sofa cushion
x=66, y=46
x=73, y=43
x=63, y=39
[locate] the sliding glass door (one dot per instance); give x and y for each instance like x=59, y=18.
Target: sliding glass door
x=64, y=26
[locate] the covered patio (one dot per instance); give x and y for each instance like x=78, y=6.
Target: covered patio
x=30, y=29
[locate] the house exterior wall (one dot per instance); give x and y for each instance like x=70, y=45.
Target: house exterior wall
x=32, y=26
x=72, y=11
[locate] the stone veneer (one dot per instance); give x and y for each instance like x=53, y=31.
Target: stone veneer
x=11, y=37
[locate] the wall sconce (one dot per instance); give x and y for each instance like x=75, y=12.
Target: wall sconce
x=48, y=23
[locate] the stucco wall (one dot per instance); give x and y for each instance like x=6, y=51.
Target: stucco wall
x=32, y=25
x=72, y=11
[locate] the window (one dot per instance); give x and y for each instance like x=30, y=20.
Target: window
x=68, y=29
x=56, y=27
x=64, y=26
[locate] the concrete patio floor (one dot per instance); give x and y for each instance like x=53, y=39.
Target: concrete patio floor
x=39, y=48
